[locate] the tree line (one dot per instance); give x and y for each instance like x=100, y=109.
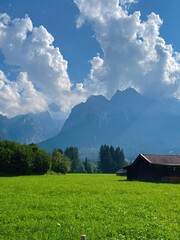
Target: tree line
x=23, y=159
x=111, y=159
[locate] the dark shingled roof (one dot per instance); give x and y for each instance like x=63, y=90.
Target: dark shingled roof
x=162, y=159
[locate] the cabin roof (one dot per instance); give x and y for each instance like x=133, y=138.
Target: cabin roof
x=122, y=170
x=162, y=159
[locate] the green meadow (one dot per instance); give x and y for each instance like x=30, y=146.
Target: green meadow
x=101, y=206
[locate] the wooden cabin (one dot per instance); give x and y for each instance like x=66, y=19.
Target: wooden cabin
x=155, y=168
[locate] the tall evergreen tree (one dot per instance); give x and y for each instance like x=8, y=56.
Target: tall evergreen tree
x=73, y=154
x=105, y=159
x=113, y=164
x=119, y=159
x=110, y=159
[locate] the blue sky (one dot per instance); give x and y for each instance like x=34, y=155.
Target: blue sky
x=78, y=46
x=86, y=47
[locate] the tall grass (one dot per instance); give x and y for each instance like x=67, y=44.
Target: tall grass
x=101, y=206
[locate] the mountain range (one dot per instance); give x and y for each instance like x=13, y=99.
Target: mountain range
x=129, y=120
x=28, y=128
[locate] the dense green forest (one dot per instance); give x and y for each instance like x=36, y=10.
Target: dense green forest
x=23, y=159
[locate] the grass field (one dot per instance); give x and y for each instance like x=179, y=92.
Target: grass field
x=100, y=206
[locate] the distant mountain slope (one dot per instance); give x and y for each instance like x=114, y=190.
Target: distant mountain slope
x=128, y=120
x=28, y=128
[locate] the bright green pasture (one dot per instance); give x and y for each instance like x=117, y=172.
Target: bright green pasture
x=100, y=206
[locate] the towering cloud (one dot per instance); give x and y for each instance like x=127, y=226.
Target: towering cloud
x=19, y=96
x=134, y=53
x=41, y=70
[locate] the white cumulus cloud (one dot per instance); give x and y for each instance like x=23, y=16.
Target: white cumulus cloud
x=134, y=53
x=42, y=71
x=16, y=97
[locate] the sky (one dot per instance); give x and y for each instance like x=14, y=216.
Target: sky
x=55, y=54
